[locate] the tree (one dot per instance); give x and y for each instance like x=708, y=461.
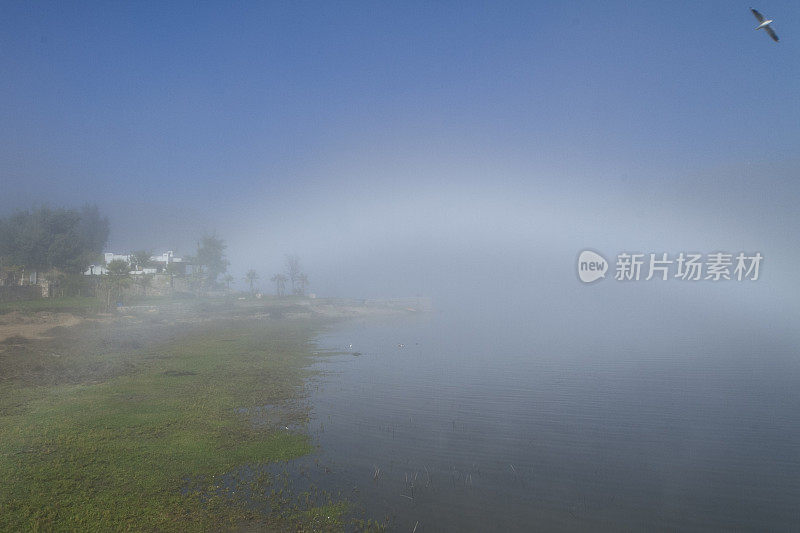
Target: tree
x=293, y=269
x=94, y=229
x=250, y=278
x=140, y=259
x=42, y=239
x=211, y=258
x=280, y=283
x=62, y=284
x=74, y=284
x=116, y=278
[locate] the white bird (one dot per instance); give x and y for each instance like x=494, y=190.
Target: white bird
x=764, y=24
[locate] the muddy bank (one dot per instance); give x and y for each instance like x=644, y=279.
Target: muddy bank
x=130, y=419
x=49, y=348
x=34, y=326
x=40, y=325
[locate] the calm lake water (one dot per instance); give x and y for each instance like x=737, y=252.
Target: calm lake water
x=470, y=428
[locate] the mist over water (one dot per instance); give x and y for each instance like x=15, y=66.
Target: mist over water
x=688, y=424
x=466, y=153
x=528, y=399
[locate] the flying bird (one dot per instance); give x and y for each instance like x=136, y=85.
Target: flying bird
x=765, y=24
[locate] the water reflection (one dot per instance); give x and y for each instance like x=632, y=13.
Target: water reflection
x=444, y=427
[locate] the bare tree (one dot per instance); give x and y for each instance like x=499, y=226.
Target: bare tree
x=294, y=270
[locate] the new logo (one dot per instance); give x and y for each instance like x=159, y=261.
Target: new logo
x=591, y=266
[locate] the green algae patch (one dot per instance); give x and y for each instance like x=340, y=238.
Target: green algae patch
x=139, y=450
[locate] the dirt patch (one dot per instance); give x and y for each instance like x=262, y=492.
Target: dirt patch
x=13, y=340
x=34, y=326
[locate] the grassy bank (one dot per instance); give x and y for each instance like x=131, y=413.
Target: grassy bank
x=83, y=305
x=73, y=304
x=116, y=447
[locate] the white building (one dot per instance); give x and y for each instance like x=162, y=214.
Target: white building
x=111, y=256
x=166, y=259
x=159, y=263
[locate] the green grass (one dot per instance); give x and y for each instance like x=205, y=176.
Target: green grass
x=117, y=454
x=77, y=304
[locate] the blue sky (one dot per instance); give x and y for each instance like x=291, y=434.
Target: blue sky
x=308, y=119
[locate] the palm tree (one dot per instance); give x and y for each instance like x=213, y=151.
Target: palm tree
x=280, y=283
x=228, y=279
x=250, y=278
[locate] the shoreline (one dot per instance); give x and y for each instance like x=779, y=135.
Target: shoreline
x=109, y=418
x=36, y=324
